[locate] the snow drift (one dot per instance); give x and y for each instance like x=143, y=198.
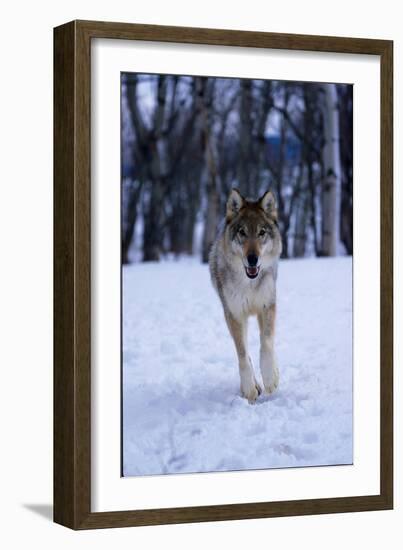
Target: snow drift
x=182, y=410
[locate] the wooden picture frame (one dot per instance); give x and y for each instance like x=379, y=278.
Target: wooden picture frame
x=72, y=270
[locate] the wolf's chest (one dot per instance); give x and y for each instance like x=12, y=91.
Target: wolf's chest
x=249, y=297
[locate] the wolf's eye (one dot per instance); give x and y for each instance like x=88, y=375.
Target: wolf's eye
x=262, y=232
x=242, y=232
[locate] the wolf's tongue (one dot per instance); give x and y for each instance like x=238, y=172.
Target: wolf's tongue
x=252, y=270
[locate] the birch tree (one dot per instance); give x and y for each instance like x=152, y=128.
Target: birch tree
x=158, y=154
x=301, y=216
x=192, y=139
x=331, y=192
x=345, y=96
x=205, y=90
x=245, y=135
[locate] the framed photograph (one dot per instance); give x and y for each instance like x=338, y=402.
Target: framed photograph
x=223, y=315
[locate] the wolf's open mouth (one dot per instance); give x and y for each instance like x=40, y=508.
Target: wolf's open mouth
x=252, y=272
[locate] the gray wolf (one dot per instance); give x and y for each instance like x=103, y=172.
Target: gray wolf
x=243, y=267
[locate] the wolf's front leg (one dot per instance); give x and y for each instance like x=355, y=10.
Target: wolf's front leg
x=250, y=389
x=268, y=365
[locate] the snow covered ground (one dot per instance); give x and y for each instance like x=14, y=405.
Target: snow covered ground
x=182, y=411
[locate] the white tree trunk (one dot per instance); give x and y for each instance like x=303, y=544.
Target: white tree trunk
x=332, y=174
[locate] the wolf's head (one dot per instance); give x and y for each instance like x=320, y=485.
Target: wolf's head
x=252, y=230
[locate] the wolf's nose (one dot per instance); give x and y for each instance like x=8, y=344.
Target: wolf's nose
x=252, y=260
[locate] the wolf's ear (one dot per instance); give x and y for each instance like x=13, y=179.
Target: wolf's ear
x=268, y=204
x=234, y=203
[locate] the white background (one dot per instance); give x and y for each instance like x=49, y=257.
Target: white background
x=109, y=490
x=26, y=274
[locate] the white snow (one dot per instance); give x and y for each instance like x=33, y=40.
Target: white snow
x=182, y=410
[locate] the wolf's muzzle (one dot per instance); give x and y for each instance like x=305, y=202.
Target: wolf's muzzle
x=252, y=269
x=252, y=260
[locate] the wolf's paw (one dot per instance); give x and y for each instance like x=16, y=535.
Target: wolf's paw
x=271, y=380
x=252, y=392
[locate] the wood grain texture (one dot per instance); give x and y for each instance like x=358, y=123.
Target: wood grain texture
x=64, y=381
x=220, y=37
x=386, y=282
x=72, y=296
x=72, y=270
